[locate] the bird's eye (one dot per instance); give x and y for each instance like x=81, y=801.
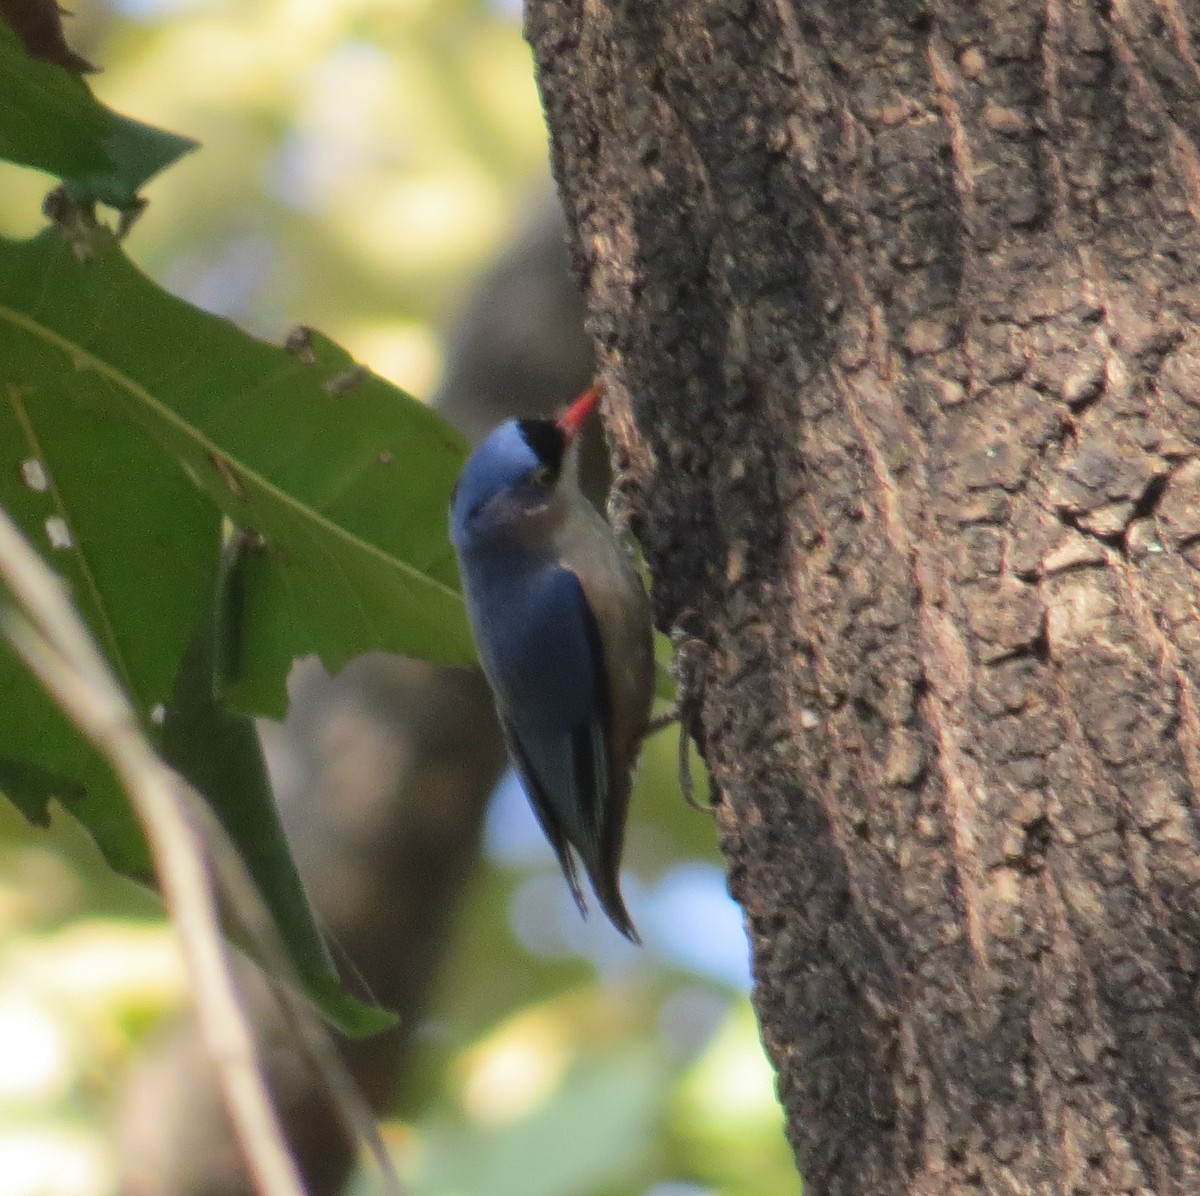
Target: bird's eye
x=540, y=476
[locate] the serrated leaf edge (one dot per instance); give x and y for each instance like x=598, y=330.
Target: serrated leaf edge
x=79, y=354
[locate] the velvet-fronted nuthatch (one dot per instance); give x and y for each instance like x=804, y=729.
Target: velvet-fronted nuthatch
x=563, y=627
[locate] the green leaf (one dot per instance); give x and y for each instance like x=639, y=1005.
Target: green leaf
x=43, y=757
x=220, y=753
x=50, y=120
x=355, y=1018
x=135, y=152
x=135, y=543
x=347, y=485
x=129, y=422
x=34, y=787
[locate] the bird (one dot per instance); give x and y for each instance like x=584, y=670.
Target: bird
x=564, y=632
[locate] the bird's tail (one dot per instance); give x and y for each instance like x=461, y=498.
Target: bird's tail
x=608, y=892
x=603, y=867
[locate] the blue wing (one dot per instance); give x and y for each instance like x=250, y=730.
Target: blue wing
x=550, y=678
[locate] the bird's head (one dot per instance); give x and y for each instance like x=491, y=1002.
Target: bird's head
x=509, y=490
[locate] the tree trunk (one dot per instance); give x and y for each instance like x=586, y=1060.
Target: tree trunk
x=896, y=304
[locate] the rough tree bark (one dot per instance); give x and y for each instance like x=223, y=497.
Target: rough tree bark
x=897, y=307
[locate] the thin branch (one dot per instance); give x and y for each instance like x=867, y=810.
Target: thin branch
x=238, y=887
x=49, y=636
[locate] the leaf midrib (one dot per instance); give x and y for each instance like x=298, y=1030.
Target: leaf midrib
x=76, y=351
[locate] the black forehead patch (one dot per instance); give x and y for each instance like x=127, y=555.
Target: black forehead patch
x=546, y=439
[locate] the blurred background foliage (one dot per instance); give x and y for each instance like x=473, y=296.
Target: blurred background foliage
x=362, y=161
